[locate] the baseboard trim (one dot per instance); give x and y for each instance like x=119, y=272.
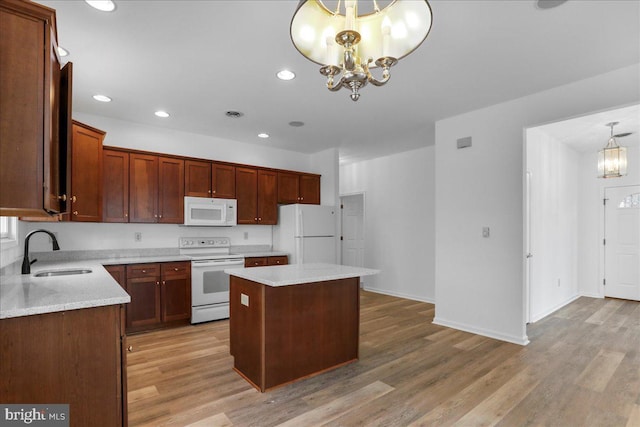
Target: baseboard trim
x=399, y=295
x=481, y=331
x=591, y=295
x=545, y=313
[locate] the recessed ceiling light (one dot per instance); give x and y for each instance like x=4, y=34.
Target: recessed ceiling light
x=263, y=135
x=102, y=98
x=62, y=51
x=102, y=5
x=162, y=114
x=286, y=75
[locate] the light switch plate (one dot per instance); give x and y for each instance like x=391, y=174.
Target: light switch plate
x=244, y=299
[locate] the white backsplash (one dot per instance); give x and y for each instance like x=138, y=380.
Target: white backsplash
x=74, y=236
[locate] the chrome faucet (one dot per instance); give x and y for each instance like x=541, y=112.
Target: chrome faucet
x=26, y=264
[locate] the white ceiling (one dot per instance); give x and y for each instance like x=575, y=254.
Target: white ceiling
x=198, y=59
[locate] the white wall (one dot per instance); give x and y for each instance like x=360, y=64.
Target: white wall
x=399, y=221
x=591, y=219
x=479, y=281
x=80, y=236
x=554, y=195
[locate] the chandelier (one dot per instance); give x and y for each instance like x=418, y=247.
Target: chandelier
x=348, y=45
x=612, y=159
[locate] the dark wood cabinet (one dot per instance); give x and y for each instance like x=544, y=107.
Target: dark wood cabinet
x=296, y=187
x=256, y=194
x=309, y=189
x=115, y=190
x=197, y=178
x=75, y=357
x=118, y=272
x=247, y=195
x=156, y=189
x=86, y=173
x=267, y=197
x=170, y=190
x=143, y=285
x=176, y=291
x=223, y=181
x=266, y=261
x=33, y=133
x=160, y=295
x=143, y=188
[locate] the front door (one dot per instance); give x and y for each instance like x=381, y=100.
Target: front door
x=622, y=242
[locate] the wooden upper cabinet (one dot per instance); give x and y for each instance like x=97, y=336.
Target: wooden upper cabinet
x=170, y=190
x=310, y=189
x=267, y=197
x=86, y=173
x=115, y=195
x=156, y=189
x=288, y=187
x=256, y=191
x=223, y=181
x=296, y=187
x=143, y=188
x=247, y=195
x=197, y=178
x=32, y=171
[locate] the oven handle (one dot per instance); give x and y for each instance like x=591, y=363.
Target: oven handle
x=217, y=263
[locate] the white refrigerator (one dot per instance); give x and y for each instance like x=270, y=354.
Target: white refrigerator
x=307, y=233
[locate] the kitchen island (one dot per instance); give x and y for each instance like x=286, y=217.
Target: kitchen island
x=293, y=321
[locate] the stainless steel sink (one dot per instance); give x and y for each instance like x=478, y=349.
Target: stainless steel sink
x=49, y=273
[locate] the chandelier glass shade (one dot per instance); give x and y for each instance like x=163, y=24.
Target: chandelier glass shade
x=612, y=159
x=347, y=45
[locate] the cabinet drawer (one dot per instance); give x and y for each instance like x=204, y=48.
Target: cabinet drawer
x=143, y=270
x=255, y=262
x=175, y=269
x=278, y=260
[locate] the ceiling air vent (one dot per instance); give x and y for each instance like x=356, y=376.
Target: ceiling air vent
x=234, y=114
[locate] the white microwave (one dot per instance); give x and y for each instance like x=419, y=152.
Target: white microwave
x=203, y=211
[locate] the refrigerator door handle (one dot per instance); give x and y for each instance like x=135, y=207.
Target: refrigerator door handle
x=302, y=236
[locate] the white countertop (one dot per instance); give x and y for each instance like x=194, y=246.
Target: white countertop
x=25, y=294
x=295, y=274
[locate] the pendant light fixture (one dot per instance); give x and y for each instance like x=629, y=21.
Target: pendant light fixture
x=612, y=159
x=347, y=45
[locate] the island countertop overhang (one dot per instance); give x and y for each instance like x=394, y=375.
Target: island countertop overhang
x=296, y=274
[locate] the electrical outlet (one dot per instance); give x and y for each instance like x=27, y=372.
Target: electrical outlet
x=244, y=299
x=137, y=236
x=246, y=235
x=485, y=232
x=558, y=282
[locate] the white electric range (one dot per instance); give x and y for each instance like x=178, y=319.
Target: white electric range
x=209, y=283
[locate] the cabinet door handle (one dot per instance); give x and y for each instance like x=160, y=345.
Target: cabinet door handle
x=157, y=283
x=255, y=219
x=62, y=198
x=259, y=219
x=175, y=269
x=160, y=216
x=144, y=271
x=126, y=215
x=75, y=212
x=208, y=191
x=164, y=282
x=301, y=198
x=214, y=191
x=130, y=348
x=73, y=199
x=155, y=216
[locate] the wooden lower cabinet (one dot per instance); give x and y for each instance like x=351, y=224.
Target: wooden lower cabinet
x=75, y=357
x=286, y=333
x=160, y=295
x=266, y=260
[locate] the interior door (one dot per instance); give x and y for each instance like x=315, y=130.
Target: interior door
x=353, y=230
x=622, y=242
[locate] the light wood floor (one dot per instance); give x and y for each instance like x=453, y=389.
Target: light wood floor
x=582, y=368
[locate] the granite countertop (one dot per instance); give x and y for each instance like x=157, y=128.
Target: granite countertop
x=25, y=294
x=295, y=274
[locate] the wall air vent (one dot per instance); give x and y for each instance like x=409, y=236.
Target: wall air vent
x=234, y=114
